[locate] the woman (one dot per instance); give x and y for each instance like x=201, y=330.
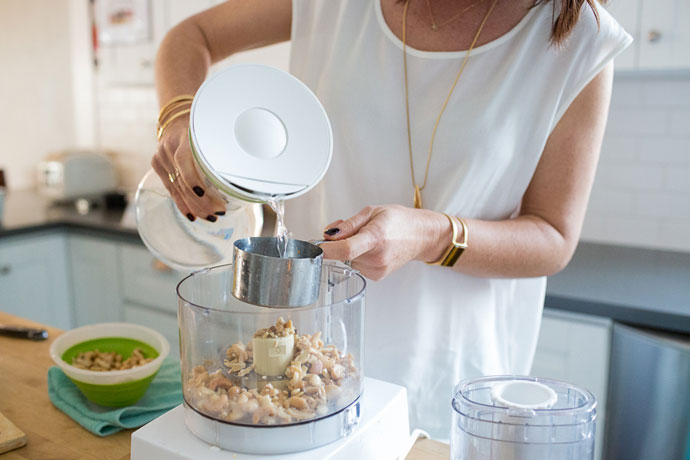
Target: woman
x=511, y=162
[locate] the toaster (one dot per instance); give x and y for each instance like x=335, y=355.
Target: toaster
x=68, y=176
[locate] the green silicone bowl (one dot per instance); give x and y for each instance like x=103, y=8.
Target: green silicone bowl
x=113, y=388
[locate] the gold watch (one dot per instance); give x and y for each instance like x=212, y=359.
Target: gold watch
x=456, y=248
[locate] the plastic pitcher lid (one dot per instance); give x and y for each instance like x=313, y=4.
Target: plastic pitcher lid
x=519, y=411
x=259, y=131
x=523, y=399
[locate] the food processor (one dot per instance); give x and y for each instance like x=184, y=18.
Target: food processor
x=276, y=381
x=271, y=335
x=522, y=418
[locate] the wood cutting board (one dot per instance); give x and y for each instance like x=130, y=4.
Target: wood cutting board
x=11, y=437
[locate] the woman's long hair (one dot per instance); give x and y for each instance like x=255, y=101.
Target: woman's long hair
x=568, y=15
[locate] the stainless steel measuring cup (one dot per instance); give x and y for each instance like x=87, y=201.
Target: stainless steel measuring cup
x=262, y=277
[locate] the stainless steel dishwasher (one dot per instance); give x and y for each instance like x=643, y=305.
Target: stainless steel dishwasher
x=648, y=411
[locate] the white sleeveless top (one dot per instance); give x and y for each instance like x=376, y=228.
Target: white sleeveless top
x=429, y=327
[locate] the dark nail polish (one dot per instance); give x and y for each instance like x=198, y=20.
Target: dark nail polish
x=332, y=231
x=220, y=213
x=198, y=190
x=211, y=218
x=190, y=217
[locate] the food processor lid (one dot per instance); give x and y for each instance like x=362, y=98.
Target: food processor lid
x=523, y=394
x=524, y=400
x=260, y=131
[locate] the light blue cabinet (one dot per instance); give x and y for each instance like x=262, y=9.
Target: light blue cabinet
x=34, y=278
x=96, y=286
x=149, y=292
x=146, y=281
x=165, y=323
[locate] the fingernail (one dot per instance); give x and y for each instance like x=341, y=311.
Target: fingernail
x=198, y=190
x=332, y=231
x=211, y=218
x=190, y=217
x=220, y=213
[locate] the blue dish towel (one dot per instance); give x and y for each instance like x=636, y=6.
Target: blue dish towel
x=164, y=393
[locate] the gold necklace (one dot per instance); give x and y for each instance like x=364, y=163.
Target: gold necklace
x=435, y=26
x=417, y=188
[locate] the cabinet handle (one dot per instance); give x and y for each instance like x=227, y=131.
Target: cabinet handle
x=653, y=36
x=5, y=270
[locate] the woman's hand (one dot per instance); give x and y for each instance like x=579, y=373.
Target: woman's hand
x=188, y=191
x=380, y=239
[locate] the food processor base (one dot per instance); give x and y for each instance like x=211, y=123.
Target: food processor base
x=382, y=434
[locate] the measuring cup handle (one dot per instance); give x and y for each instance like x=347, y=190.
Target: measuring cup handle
x=318, y=242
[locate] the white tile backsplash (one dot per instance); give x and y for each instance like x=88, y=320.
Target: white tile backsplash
x=641, y=193
x=678, y=180
x=666, y=94
x=637, y=121
x=680, y=122
x=675, y=233
x=664, y=150
x=666, y=205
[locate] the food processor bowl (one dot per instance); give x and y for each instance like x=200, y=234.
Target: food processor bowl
x=522, y=418
x=264, y=380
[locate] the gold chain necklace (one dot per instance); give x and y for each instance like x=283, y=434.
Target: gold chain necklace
x=417, y=188
x=435, y=26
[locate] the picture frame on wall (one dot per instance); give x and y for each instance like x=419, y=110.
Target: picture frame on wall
x=123, y=22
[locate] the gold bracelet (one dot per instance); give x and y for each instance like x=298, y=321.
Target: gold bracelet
x=456, y=248
x=166, y=115
x=161, y=130
x=183, y=97
x=171, y=108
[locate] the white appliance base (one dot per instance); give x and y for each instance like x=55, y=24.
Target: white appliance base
x=383, y=434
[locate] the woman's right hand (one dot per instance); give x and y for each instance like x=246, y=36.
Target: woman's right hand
x=189, y=191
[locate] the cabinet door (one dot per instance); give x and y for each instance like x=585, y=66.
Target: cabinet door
x=165, y=323
x=95, y=280
x=664, y=40
x=575, y=348
x=34, y=279
x=627, y=14
x=145, y=281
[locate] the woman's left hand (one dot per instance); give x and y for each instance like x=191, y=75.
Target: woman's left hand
x=380, y=239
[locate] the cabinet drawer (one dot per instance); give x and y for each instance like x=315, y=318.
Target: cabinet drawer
x=144, y=282
x=164, y=323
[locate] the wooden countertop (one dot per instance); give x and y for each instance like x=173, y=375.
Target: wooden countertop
x=50, y=433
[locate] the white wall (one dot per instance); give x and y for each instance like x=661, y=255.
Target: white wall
x=641, y=194
x=35, y=85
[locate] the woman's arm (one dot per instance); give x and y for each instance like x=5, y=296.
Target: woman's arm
x=183, y=60
x=540, y=241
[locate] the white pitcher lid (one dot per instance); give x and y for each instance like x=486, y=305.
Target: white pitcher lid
x=260, y=131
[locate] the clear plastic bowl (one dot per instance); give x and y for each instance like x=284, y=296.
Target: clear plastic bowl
x=189, y=246
x=483, y=429
x=248, y=369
